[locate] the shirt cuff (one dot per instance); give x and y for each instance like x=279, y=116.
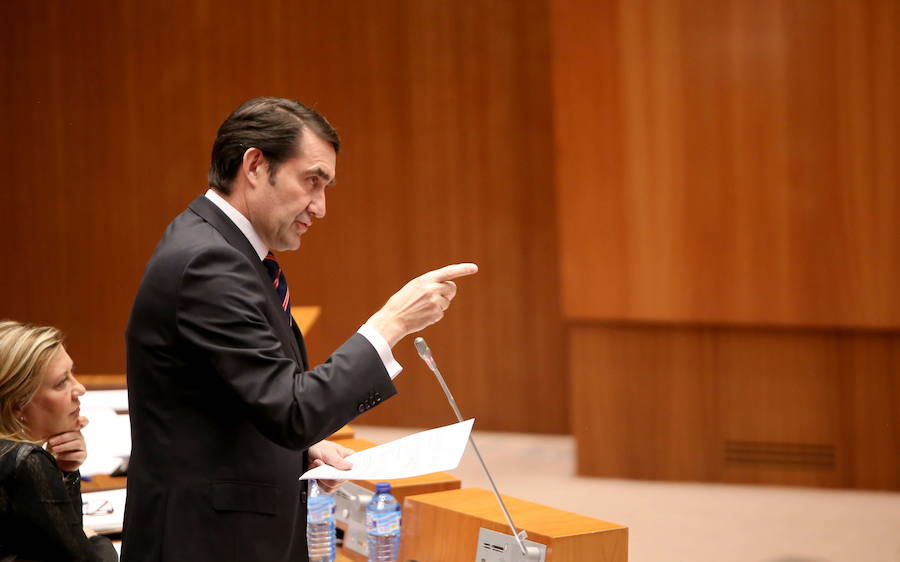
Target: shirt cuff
x=384, y=350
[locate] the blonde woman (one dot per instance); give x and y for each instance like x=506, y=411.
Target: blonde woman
x=41, y=448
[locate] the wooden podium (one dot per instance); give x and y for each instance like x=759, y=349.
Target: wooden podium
x=444, y=526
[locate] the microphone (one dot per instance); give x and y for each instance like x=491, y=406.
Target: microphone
x=425, y=353
x=530, y=552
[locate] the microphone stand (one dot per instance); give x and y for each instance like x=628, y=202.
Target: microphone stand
x=425, y=353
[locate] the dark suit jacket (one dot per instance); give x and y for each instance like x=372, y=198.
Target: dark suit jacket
x=222, y=405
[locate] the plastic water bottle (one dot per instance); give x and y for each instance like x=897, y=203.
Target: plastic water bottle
x=319, y=525
x=383, y=525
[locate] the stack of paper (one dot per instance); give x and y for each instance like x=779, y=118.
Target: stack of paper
x=108, y=440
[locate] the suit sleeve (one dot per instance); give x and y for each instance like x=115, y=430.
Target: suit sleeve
x=220, y=315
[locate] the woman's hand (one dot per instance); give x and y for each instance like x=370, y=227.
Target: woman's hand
x=330, y=453
x=69, y=448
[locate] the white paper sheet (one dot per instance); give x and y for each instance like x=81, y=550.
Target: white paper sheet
x=113, y=399
x=104, y=511
x=428, y=451
x=108, y=440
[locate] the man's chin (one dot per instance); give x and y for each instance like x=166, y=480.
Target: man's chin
x=290, y=245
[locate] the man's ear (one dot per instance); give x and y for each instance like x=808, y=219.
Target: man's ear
x=255, y=167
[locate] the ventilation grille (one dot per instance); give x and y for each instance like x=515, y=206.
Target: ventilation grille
x=800, y=455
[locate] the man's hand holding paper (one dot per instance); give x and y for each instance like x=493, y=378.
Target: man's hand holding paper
x=428, y=451
x=332, y=454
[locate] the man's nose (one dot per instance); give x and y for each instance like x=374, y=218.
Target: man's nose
x=317, y=206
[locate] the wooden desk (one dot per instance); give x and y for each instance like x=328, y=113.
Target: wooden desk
x=343, y=434
x=102, y=382
x=305, y=316
x=444, y=526
x=99, y=482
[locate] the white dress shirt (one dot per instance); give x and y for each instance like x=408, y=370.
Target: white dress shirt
x=243, y=223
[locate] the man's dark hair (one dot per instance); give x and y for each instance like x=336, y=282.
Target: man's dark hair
x=273, y=125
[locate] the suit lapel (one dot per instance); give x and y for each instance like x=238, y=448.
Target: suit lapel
x=290, y=338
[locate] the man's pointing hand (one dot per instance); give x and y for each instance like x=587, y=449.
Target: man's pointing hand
x=420, y=303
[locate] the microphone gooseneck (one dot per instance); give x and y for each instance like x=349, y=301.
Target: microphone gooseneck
x=425, y=353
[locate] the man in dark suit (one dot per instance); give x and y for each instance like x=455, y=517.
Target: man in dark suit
x=225, y=413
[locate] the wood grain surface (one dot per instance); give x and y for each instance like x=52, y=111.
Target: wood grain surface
x=445, y=525
x=729, y=162
x=813, y=408
x=444, y=111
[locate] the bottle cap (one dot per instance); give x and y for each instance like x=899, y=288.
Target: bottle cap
x=383, y=488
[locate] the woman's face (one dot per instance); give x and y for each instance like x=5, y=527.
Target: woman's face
x=54, y=408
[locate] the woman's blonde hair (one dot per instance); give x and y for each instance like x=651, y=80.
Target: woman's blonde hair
x=25, y=351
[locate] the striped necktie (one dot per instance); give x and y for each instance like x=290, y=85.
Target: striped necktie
x=280, y=284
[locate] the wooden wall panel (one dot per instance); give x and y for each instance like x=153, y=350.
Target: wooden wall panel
x=444, y=109
x=728, y=162
x=737, y=405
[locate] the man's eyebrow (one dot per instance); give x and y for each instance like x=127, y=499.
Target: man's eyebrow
x=324, y=175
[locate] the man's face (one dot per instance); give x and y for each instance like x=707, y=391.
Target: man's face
x=282, y=208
